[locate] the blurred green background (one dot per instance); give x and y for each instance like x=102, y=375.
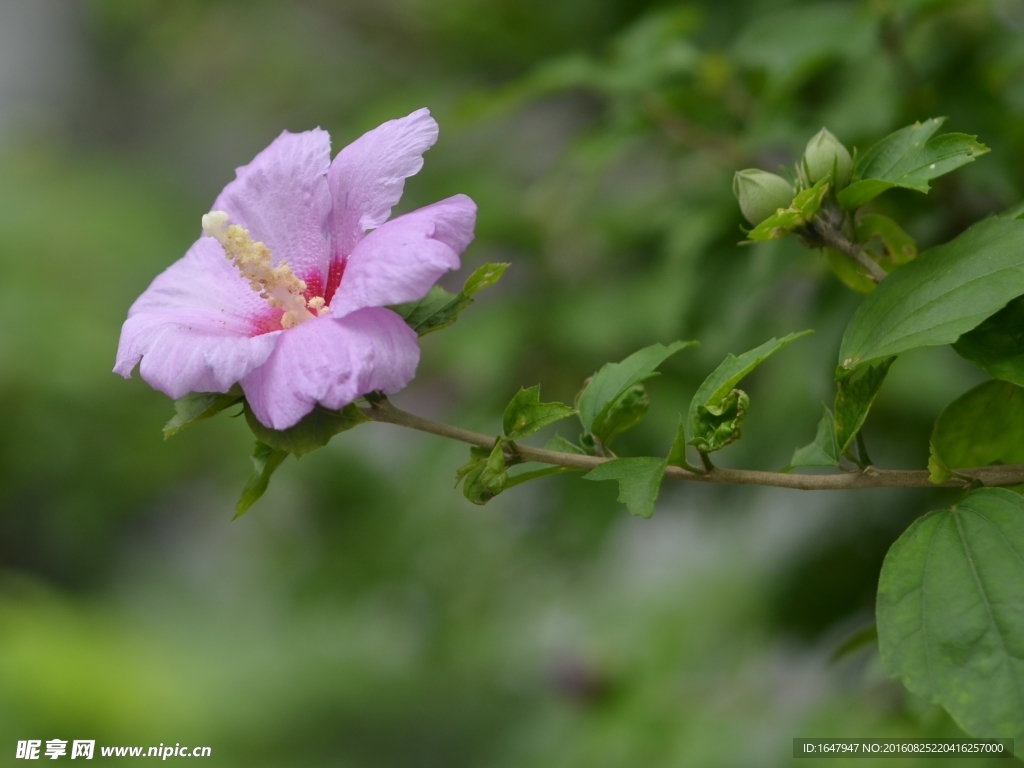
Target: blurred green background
x=364, y=613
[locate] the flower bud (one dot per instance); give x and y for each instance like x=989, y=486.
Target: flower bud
x=761, y=194
x=825, y=154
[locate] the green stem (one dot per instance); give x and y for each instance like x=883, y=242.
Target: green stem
x=869, y=477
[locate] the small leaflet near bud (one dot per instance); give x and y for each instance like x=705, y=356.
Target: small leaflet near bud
x=760, y=194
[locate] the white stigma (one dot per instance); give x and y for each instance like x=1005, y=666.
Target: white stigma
x=277, y=285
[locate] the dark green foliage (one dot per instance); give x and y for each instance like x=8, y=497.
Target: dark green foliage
x=997, y=345
x=942, y=294
x=984, y=426
x=951, y=611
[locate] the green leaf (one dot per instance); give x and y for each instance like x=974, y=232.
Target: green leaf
x=943, y=293
x=982, y=427
x=909, y=158
x=997, y=345
x=265, y=460
x=487, y=478
x=803, y=208
x=855, y=393
x=533, y=470
x=609, y=383
x=440, y=308
x=484, y=277
x=525, y=414
x=951, y=611
x=197, y=406
x=718, y=425
x=313, y=432
x=824, y=451
x=624, y=413
x=729, y=373
x=560, y=444
x=639, y=481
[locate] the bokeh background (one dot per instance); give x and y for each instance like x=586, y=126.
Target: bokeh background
x=364, y=613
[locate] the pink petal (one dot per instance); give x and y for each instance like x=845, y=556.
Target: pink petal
x=367, y=176
x=332, y=361
x=401, y=260
x=199, y=327
x=282, y=198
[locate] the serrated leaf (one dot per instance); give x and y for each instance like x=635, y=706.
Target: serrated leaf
x=824, y=451
x=265, y=460
x=909, y=158
x=855, y=395
x=997, y=345
x=951, y=611
x=639, y=481
x=440, y=308
x=982, y=427
x=313, y=432
x=625, y=412
x=197, y=406
x=560, y=444
x=803, y=208
x=731, y=372
x=719, y=425
x=943, y=293
x=526, y=414
x=615, y=378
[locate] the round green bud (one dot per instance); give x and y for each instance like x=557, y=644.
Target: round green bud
x=761, y=194
x=825, y=154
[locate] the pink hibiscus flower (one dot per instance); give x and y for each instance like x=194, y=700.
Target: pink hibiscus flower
x=286, y=291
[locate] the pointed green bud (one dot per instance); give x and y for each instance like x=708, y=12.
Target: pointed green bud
x=825, y=154
x=761, y=194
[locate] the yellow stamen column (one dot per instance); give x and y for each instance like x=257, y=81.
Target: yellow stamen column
x=277, y=285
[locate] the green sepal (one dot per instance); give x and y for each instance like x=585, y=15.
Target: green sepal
x=855, y=393
x=526, y=414
x=314, y=431
x=265, y=460
x=484, y=478
x=719, y=424
x=624, y=413
x=804, y=207
x=951, y=611
x=440, y=308
x=196, y=406
x=611, y=382
x=639, y=481
x=728, y=374
x=824, y=451
x=909, y=158
x=984, y=426
x=997, y=345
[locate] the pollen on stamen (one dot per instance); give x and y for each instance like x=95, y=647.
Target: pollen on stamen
x=277, y=285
